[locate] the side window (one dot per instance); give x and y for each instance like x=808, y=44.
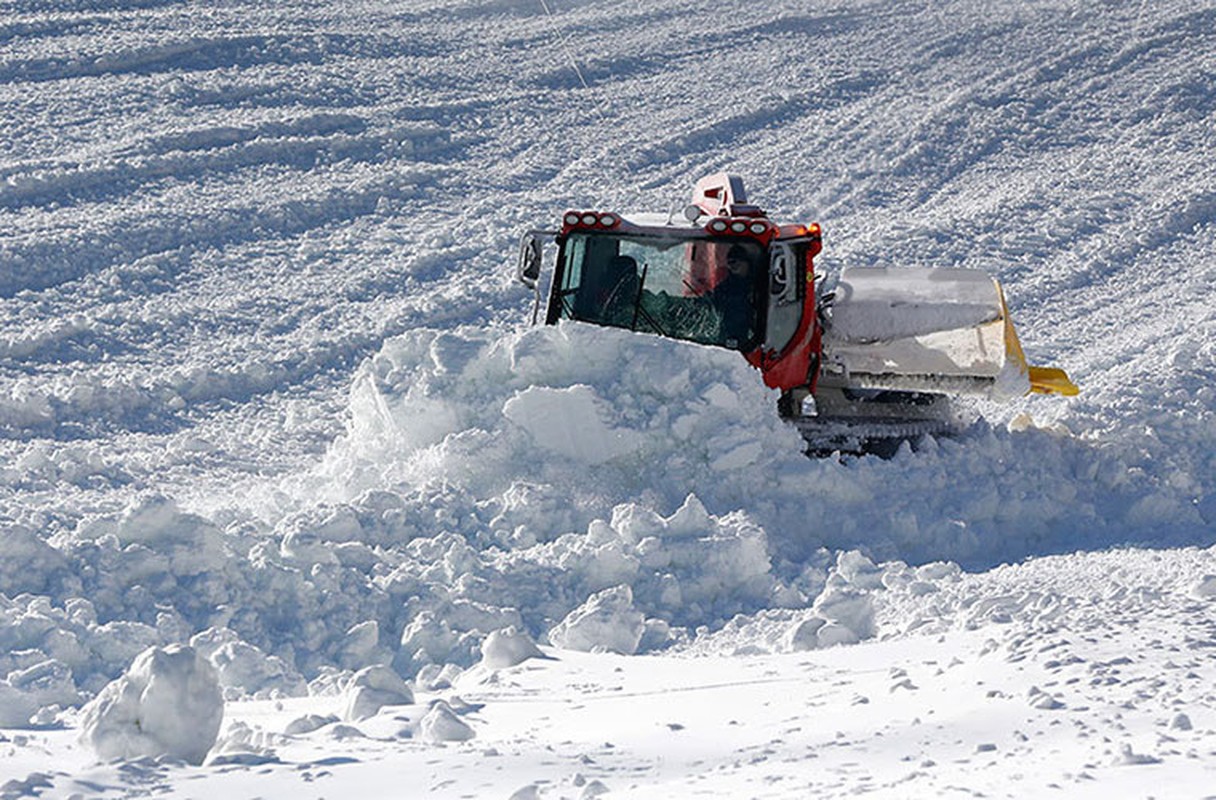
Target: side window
x=786, y=295
x=570, y=268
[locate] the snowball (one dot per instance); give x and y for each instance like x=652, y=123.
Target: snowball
x=442, y=725
x=1180, y=722
x=168, y=703
x=373, y=688
x=607, y=621
x=508, y=647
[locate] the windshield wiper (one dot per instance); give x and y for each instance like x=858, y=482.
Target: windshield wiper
x=639, y=311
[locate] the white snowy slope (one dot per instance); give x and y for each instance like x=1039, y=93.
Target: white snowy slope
x=273, y=427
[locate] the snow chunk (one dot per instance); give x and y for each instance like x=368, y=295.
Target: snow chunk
x=834, y=633
x=29, y=563
x=1037, y=698
x=846, y=608
x=361, y=646
x=607, y=621
x=508, y=647
x=308, y=723
x=168, y=703
x=568, y=422
x=1129, y=757
x=245, y=669
x=442, y=725
x=25, y=692
x=805, y=635
x=434, y=678
x=371, y=689
x=446, y=635
x=1180, y=722
x=182, y=544
x=1206, y=587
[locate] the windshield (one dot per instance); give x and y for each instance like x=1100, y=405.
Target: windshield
x=702, y=290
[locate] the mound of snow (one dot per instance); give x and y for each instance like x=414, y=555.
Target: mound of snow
x=168, y=703
x=244, y=669
x=154, y=530
x=508, y=647
x=441, y=724
x=24, y=692
x=844, y=611
x=607, y=621
x=371, y=689
x=308, y=723
x=1205, y=587
x=577, y=412
x=568, y=422
x=555, y=425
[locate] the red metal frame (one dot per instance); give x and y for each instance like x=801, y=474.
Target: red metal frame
x=797, y=364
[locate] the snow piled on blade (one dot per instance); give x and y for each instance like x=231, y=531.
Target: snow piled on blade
x=875, y=304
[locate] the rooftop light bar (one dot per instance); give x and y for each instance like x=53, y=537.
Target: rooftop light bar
x=589, y=219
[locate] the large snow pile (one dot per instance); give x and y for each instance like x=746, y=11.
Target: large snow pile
x=558, y=425
x=591, y=488
x=166, y=704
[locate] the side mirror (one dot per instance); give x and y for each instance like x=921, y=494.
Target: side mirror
x=528, y=269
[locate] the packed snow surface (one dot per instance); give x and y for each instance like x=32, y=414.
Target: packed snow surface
x=277, y=445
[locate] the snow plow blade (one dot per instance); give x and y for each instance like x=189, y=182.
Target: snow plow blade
x=1051, y=380
x=929, y=329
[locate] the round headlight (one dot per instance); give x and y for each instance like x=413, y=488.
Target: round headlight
x=758, y=228
x=738, y=227
x=718, y=226
x=571, y=218
x=588, y=219
x=607, y=220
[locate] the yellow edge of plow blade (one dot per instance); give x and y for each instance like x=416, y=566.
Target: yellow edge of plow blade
x=1043, y=380
x=1051, y=380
